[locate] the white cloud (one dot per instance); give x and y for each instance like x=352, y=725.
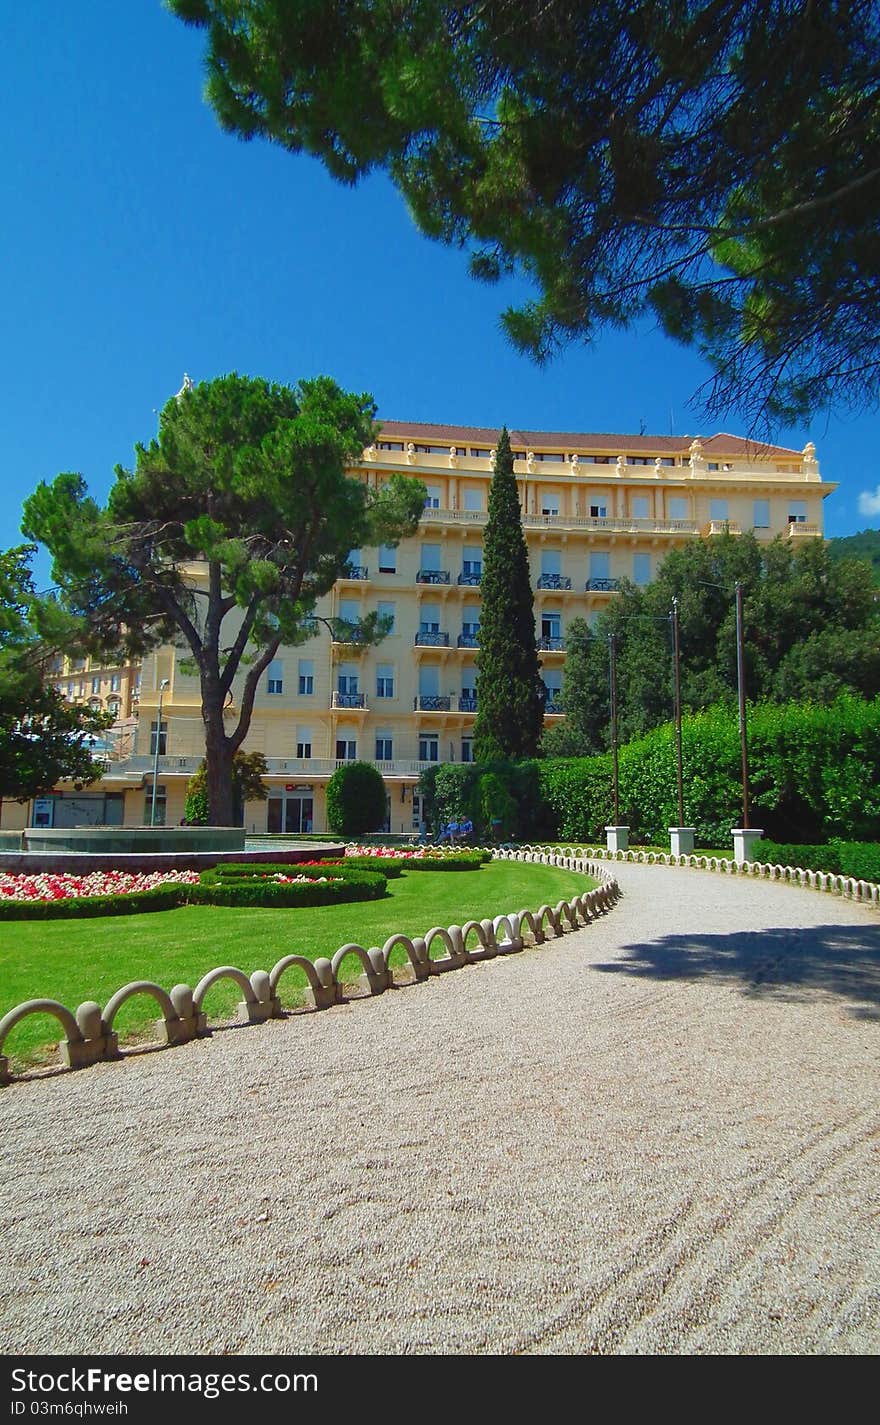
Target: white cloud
x=869, y=504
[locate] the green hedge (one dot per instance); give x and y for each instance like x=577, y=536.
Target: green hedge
x=814, y=775
x=258, y=891
x=216, y=887
x=860, y=859
x=80, y=907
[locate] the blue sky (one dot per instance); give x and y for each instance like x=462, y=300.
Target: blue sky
x=139, y=242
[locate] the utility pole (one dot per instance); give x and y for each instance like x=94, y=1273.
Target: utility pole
x=676, y=699
x=741, y=692
x=612, y=671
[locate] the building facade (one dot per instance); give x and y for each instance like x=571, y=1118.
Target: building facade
x=596, y=509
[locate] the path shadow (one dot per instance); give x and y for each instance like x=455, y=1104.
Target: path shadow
x=794, y=964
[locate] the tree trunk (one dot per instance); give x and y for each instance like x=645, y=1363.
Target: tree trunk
x=218, y=758
x=218, y=765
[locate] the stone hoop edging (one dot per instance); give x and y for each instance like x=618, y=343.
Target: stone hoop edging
x=90, y=1037
x=850, y=887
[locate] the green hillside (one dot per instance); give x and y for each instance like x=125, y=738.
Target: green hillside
x=859, y=546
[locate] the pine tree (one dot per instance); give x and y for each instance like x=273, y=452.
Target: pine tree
x=510, y=694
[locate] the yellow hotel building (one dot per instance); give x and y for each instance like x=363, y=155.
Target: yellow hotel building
x=596, y=509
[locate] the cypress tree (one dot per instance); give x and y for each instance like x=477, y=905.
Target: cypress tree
x=510, y=694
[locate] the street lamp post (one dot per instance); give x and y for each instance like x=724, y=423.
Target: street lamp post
x=681, y=837
x=616, y=836
x=162, y=686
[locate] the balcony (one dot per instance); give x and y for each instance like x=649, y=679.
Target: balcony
x=467, y=705
x=432, y=640
x=432, y=702
x=724, y=527
x=800, y=530
x=554, y=581
x=433, y=576
x=602, y=586
x=546, y=644
x=553, y=708
x=468, y=640
x=355, y=571
x=472, y=581
x=349, y=701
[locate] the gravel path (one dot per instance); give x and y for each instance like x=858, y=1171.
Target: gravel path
x=659, y=1134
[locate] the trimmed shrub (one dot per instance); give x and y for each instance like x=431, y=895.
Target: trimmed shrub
x=814, y=775
x=82, y=907
x=860, y=859
x=260, y=892
x=355, y=799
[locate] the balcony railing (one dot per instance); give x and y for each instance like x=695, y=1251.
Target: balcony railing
x=468, y=705
x=432, y=640
x=554, y=581
x=553, y=705
x=796, y=529
x=432, y=702
x=468, y=640
x=348, y=700
x=471, y=580
x=547, y=644
x=433, y=576
x=617, y=524
x=724, y=527
x=355, y=571
x=602, y=586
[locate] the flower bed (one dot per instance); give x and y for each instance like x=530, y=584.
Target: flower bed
x=50, y=896
x=57, y=886
x=428, y=858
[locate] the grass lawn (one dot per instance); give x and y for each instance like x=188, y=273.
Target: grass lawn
x=76, y=960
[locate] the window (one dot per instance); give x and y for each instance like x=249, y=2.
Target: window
x=469, y=690
x=641, y=509
x=429, y=680
x=429, y=747
x=551, y=625
x=96, y=685
x=306, y=676
x=761, y=514
x=69, y=691
x=113, y=706
x=161, y=804
x=473, y=499
x=388, y=611
x=718, y=510
x=114, y=683
x=598, y=512
x=551, y=563
x=549, y=504
x=390, y=444
x=346, y=749
x=467, y=749
x=797, y=512
x=472, y=564
x=429, y=618
x=678, y=507
x=470, y=621
x=641, y=568
x=600, y=566
x=430, y=557
x=163, y=738
x=384, y=746
x=347, y=679
x=303, y=742
x=275, y=676
x=349, y=610
x=432, y=497
x=354, y=558
x=387, y=559
x=385, y=681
